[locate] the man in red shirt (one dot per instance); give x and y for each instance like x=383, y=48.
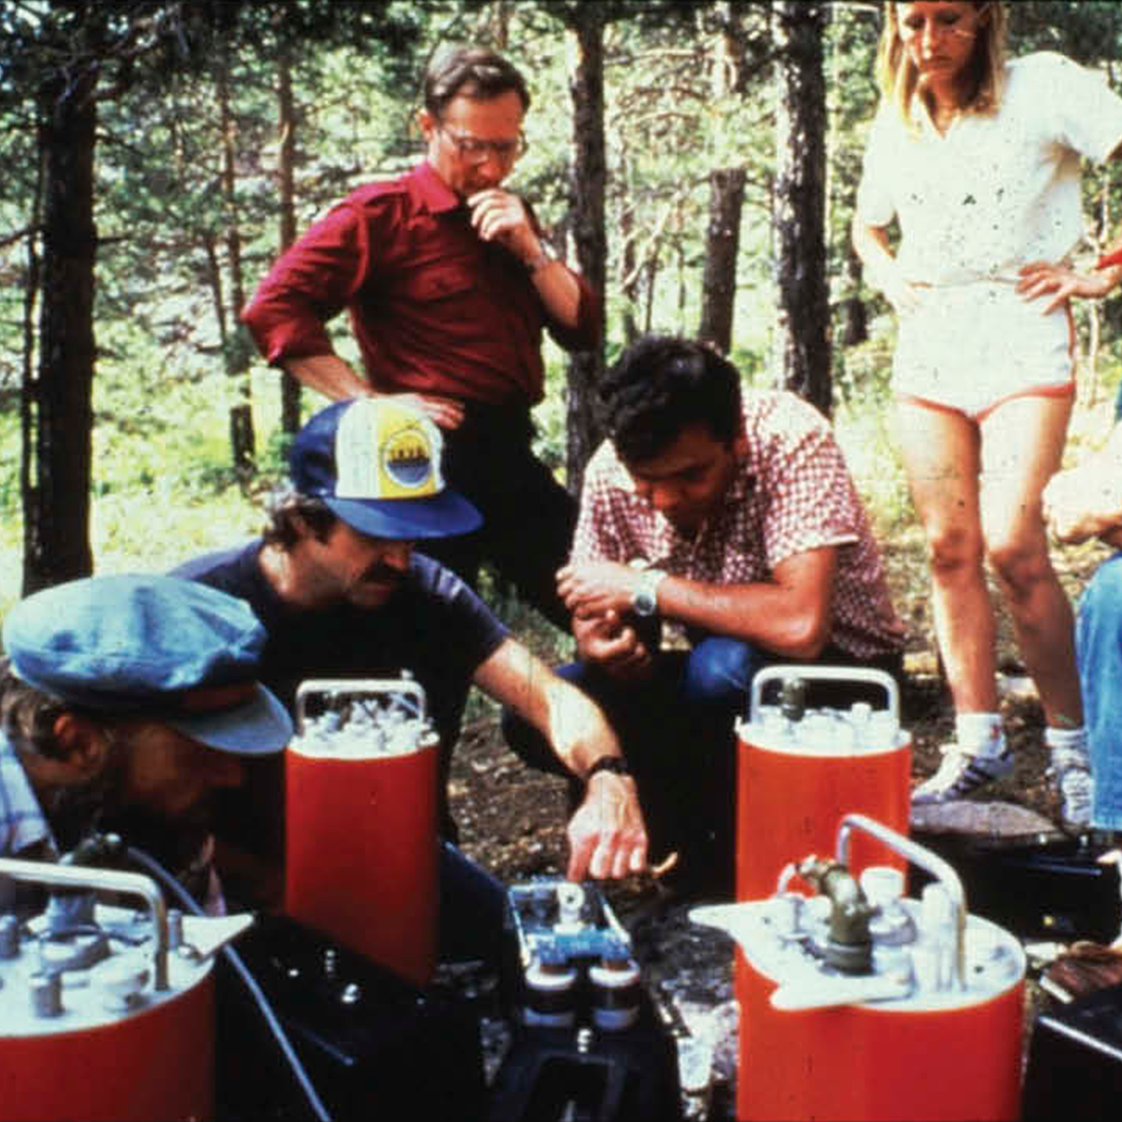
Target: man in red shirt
x=449, y=286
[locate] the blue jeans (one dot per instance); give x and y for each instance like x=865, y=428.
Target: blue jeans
x=1098, y=642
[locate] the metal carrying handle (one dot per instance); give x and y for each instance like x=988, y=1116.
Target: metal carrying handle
x=102, y=880
x=924, y=859
x=813, y=673
x=358, y=687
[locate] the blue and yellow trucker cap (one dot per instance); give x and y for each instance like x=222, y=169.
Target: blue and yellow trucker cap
x=375, y=462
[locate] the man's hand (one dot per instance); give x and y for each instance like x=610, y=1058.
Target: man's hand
x=446, y=412
x=613, y=645
x=607, y=835
x=499, y=216
x=334, y=378
x=1086, y=501
x=599, y=587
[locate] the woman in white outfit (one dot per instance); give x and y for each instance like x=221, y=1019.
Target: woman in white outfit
x=978, y=161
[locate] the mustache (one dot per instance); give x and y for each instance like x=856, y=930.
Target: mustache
x=382, y=574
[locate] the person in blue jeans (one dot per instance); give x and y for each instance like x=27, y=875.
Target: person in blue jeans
x=719, y=531
x=1080, y=504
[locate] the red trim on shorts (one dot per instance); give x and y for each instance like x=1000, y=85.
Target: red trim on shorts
x=1064, y=389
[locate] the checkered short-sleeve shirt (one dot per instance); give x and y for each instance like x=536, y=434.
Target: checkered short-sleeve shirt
x=792, y=492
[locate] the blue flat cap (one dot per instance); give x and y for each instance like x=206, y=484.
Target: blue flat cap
x=178, y=651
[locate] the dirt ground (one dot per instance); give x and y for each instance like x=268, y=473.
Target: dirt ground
x=512, y=820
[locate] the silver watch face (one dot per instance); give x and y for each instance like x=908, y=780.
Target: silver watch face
x=645, y=603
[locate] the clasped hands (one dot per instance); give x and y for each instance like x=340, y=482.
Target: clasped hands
x=600, y=595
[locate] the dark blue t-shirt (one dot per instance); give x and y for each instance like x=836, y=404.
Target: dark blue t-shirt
x=434, y=626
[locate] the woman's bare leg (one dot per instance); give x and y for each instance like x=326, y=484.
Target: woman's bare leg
x=1022, y=445
x=941, y=453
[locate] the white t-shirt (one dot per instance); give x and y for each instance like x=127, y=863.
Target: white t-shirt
x=996, y=191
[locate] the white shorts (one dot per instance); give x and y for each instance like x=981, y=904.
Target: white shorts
x=971, y=347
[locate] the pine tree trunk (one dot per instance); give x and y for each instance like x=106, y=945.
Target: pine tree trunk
x=718, y=283
x=286, y=111
x=243, y=442
x=803, y=331
x=589, y=178
x=60, y=407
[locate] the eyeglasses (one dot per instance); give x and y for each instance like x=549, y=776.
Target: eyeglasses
x=472, y=150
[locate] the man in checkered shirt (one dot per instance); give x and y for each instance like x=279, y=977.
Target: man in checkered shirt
x=732, y=519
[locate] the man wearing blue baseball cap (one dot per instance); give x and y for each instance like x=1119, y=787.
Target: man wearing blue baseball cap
x=341, y=592
x=123, y=694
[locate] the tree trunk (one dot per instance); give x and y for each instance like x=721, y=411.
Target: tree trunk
x=718, y=282
x=59, y=407
x=629, y=265
x=286, y=112
x=243, y=444
x=589, y=177
x=803, y=331
x=853, y=314
x=726, y=199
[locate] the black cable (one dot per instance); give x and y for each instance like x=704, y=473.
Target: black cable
x=189, y=903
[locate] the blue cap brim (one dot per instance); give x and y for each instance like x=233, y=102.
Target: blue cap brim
x=259, y=727
x=439, y=516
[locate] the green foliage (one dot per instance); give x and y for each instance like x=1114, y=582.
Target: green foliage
x=688, y=89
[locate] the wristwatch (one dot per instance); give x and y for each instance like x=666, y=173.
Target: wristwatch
x=617, y=765
x=545, y=257
x=644, y=602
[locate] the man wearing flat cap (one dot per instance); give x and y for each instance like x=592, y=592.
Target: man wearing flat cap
x=125, y=695
x=343, y=594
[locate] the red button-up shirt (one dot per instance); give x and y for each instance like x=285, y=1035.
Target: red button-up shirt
x=433, y=307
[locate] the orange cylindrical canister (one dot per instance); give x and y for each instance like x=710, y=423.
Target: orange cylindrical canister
x=931, y=1029
x=878, y=1065
x=99, y=1020
x=361, y=849
x=798, y=775
x=158, y=1063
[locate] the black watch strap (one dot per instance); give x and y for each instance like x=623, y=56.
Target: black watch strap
x=617, y=765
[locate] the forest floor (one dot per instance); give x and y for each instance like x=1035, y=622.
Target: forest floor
x=512, y=820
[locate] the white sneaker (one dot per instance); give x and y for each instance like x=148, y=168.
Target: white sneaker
x=960, y=774
x=1071, y=773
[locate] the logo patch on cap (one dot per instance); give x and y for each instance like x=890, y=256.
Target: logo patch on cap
x=386, y=451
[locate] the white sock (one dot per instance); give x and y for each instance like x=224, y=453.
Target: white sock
x=980, y=734
x=1067, y=741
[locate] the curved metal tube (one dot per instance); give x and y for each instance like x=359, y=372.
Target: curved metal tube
x=925, y=859
x=102, y=880
x=358, y=687
x=812, y=673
